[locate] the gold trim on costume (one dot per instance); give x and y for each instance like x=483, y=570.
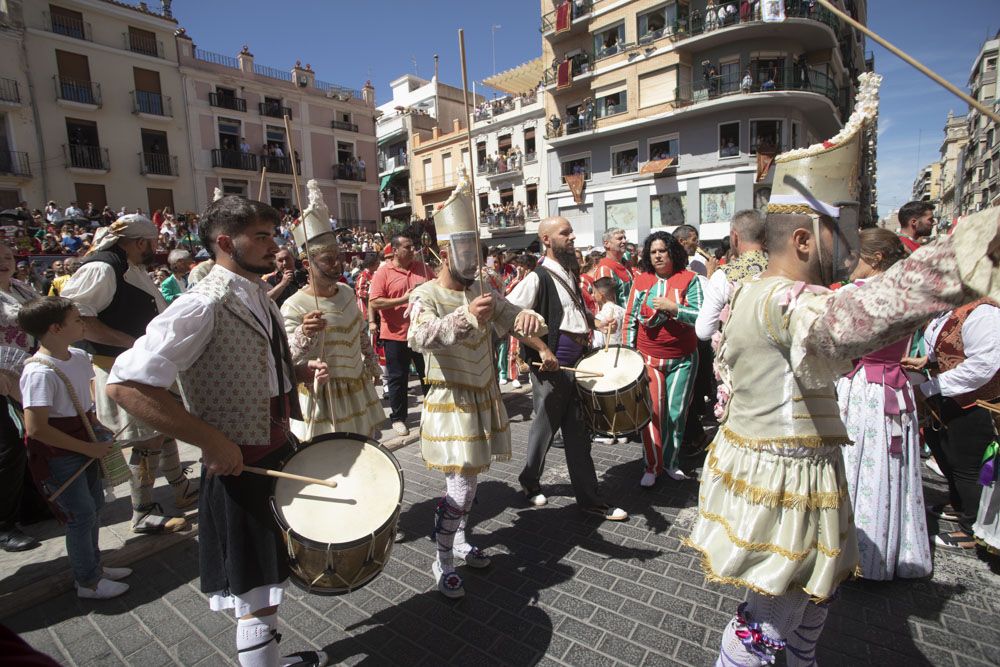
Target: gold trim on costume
x=800, y=209
x=784, y=440
x=814, y=397
x=463, y=438
x=478, y=406
x=756, y=546
x=353, y=415
x=767, y=315
x=468, y=470
x=809, y=416
x=345, y=328
x=449, y=384
x=756, y=495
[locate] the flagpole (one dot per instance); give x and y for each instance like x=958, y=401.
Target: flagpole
x=972, y=102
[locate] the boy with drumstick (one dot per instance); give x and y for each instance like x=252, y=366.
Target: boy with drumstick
x=58, y=442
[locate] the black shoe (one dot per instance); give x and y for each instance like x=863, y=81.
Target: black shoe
x=557, y=441
x=16, y=540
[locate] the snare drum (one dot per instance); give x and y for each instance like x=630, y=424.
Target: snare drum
x=338, y=539
x=618, y=402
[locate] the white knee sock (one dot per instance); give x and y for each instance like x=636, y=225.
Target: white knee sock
x=462, y=546
x=801, y=649
x=257, y=641
x=775, y=617
x=451, y=511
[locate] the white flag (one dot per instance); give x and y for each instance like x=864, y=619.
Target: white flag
x=773, y=11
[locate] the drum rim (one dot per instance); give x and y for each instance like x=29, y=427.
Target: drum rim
x=336, y=435
x=609, y=392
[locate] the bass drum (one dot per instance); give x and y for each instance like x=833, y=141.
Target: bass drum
x=338, y=539
x=617, y=403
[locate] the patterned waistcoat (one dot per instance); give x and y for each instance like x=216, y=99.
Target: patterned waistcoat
x=950, y=351
x=228, y=385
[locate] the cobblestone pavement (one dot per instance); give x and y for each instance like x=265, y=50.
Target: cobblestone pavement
x=563, y=589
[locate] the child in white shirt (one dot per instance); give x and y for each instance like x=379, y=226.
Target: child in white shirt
x=608, y=312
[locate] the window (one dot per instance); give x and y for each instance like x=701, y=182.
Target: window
x=480, y=156
x=579, y=165
x=428, y=172
x=507, y=196
x=69, y=23
x=74, y=78
x=229, y=134
x=447, y=167
x=142, y=41
x=717, y=204
x=345, y=116
x=156, y=153
x=529, y=145
x=621, y=214
x=160, y=198
x=504, y=143
x=84, y=145
x=147, y=91
x=531, y=197
x=729, y=76
x=658, y=87
x=91, y=192
x=765, y=135
x=729, y=139
x=661, y=148
x=624, y=160
x=609, y=41
x=484, y=202
x=349, y=208
x=612, y=103
x=991, y=64
x=345, y=151
x=796, y=135
x=657, y=23
x=466, y=164
x=280, y=195
x=668, y=210
x=274, y=139
x=231, y=187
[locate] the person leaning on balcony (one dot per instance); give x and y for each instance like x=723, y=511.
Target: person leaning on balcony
x=747, y=83
x=710, y=16
x=244, y=145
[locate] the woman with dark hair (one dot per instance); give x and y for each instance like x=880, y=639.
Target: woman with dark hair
x=883, y=467
x=659, y=323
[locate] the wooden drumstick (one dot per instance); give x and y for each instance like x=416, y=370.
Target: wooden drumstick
x=574, y=370
x=267, y=472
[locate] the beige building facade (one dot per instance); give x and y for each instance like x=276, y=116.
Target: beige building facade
x=956, y=136
x=980, y=181
x=435, y=161
x=20, y=176
x=104, y=94
x=235, y=111
x=927, y=186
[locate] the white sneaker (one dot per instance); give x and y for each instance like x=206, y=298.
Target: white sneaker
x=105, y=590
x=604, y=441
x=648, y=480
x=536, y=499
x=503, y=381
x=621, y=441
x=400, y=428
x=676, y=473
x=516, y=384
x=116, y=573
x=933, y=465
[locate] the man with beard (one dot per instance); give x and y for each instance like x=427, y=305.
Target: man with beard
x=916, y=222
x=614, y=266
x=463, y=425
x=117, y=299
x=553, y=290
x=224, y=339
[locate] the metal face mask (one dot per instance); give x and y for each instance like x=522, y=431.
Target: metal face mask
x=838, y=262
x=463, y=256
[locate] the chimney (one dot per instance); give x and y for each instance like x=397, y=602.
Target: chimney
x=456, y=125
x=303, y=77
x=435, y=132
x=167, y=13
x=245, y=59
x=368, y=93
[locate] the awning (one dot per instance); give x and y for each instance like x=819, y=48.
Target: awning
x=514, y=243
x=384, y=182
x=521, y=79
x=657, y=167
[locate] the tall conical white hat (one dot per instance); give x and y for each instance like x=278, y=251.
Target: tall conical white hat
x=314, y=221
x=458, y=214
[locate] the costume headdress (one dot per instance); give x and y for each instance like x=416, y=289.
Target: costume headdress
x=217, y=194
x=314, y=221
x=823, y=178
x=458, y=214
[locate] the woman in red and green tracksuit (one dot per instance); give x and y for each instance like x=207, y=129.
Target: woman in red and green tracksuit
x=662, y=307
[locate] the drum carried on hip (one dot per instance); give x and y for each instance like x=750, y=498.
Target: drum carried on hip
x=617, y=402
x=338, y=539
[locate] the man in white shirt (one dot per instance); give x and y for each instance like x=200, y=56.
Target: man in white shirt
x=73, y=211
x=553, y=291
x=746, y=238
x=965, y=346
x=117, y=299
x=688, y=237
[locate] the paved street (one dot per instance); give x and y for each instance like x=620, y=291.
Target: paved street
x=563, y=589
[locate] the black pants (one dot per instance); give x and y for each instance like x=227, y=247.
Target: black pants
x=958, y=448
x=398, y=356
x=557, y=406
x=13, y=460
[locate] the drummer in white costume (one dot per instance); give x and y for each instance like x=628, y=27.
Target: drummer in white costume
x=348, y=402
x=224, y=340
x=463, y=426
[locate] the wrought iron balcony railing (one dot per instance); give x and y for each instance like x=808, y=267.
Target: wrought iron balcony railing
x=86, y=157
x=158, y=164
x=346, y=172
x=154, y=104
x=224, y=101
x=81, y=92
x=274, y=110
x=14, y=163
x=227, y=159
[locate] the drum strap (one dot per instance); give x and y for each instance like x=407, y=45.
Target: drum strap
x=574, y=295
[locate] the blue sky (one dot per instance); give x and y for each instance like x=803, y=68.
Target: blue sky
x=348, y=42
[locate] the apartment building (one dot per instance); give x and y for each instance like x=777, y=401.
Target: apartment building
x=238, y=141
x=956, y=136
x=435, y=161
x=673, y=114
x=980, y=183
x=508, y=133
x=100, y=91
x=19, y=173
x=416, y=108
x=927, y=186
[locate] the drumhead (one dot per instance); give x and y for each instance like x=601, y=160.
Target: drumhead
x=628, y=370
x=369, y=489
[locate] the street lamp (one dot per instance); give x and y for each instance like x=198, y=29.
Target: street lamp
x=493, y=44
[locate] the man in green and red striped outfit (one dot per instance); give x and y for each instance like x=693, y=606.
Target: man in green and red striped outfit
x=614, y=266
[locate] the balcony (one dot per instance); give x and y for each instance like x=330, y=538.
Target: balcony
x=68, y=26
x=274, y=110
x=564, y=127
x=224, y=159
x=15, y=163
x=499, y=170
x=504, y=105
x=392, y=163
x=224, y=101
x=581, y=65
x=143, y=44
x=343, y=125
x=358, y=223
x=500, y=224
x=158, y=164
x=698, y=23
x=435, y=184
x=784, y=81
x=391, y=199
x=77, y=93
x=576, y=10
x=346, y=172
x=280, y=165
x=151, y=105
x=10, y=92
x=88, y=158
